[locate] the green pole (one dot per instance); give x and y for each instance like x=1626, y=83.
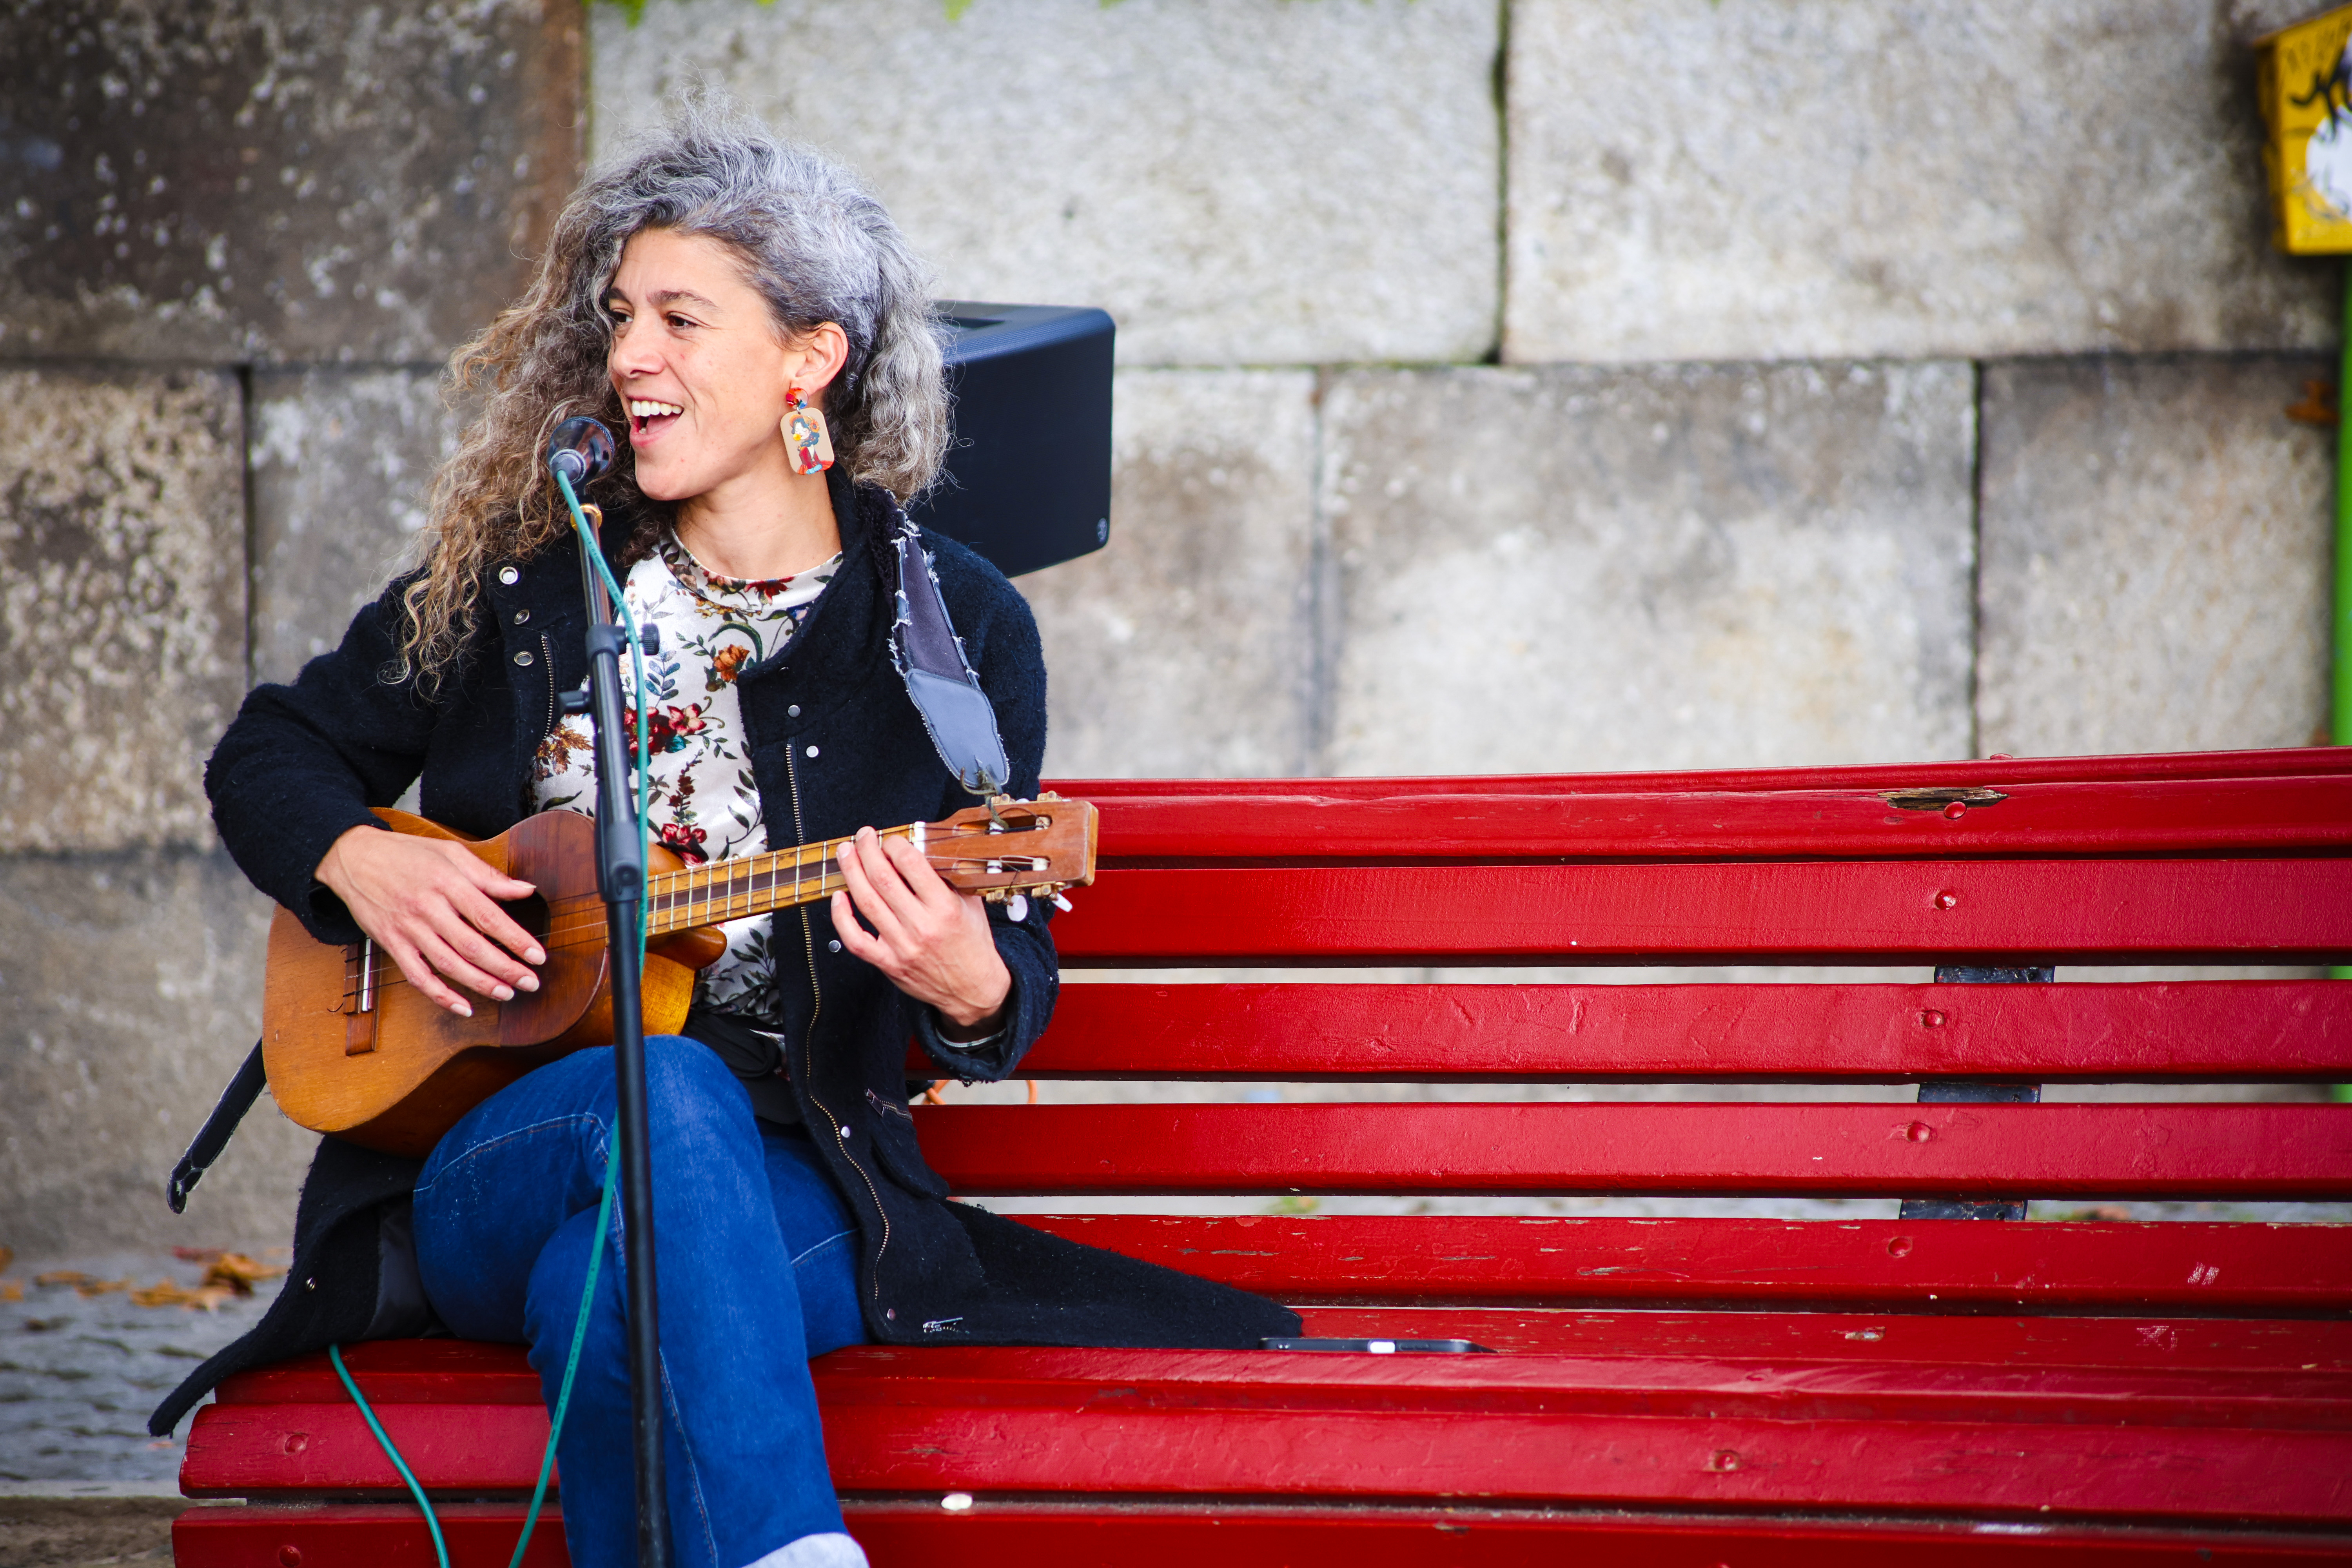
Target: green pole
x=2340, y=707
x=2340, y=716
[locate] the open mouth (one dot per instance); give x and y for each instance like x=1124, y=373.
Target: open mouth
x=648, y=418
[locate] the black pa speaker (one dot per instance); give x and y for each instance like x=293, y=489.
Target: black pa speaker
x=1027, y=480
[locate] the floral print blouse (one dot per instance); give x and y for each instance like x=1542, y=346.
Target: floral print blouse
x=704, y=803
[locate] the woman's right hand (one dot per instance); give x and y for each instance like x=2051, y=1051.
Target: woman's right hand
x=429, y=903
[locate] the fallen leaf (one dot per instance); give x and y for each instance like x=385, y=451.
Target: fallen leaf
x=11, y=1291
x=89, y=1288
x=61, y=1277
x=239, y=1272
x=43, y=1325
x=8, y=1255
x=210, y=1296
x=196, y=1254
x=163, y=1293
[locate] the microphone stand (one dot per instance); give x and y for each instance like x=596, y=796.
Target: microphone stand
x=621, y=880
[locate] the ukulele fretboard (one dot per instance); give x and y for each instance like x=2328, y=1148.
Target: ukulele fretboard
x=725, y=890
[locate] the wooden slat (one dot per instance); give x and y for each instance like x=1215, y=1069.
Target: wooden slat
x=1905, y=1265
x=1728, y=1434
x=1954, y=1341
x=2206, y=1031
x=396, y=1372
x=1477, y=820
x=453, y=1372
x=2081, y=911
x=1998, y=773
x=2248, y=1152
x=238, y=1449
x=902, y=1533
x=379, y=1535
x=1019, y=1534
x=1720, y=1431
x=1239, y=1251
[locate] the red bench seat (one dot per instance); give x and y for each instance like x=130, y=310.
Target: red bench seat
x=1701, y=1390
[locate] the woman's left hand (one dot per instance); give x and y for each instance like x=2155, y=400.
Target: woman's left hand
x=932, y=942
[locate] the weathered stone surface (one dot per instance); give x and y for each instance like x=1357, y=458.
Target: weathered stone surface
x=2155, y=542
x=1185, y=647
x=276, y=179
x=1248, y=184
x=341, y=461
x=1571, y=570
x=129, y=991
x=122, y=607
x=1811, y=178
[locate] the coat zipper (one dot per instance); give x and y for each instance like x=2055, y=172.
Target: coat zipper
x=808, y=1041
x=547, y=657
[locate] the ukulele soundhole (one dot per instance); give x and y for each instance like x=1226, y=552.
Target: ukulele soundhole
x=529, y=913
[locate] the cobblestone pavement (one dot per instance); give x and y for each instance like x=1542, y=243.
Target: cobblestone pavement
x=79, y=1374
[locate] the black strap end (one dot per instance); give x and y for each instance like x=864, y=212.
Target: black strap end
x=243, y=1089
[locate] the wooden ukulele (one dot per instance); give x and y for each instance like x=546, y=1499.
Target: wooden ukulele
x=353, y=1049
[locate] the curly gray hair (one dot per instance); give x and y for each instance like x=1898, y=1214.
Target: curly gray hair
x=813, y=241
x=817, y=247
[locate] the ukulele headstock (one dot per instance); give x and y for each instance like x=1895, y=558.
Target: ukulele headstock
x=1009, y=846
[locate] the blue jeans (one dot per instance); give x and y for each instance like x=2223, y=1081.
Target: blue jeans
x=757, y=1272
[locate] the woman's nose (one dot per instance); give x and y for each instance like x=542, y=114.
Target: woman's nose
x=634, y=359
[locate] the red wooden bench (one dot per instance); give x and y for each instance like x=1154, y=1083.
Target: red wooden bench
x=1689, y=1391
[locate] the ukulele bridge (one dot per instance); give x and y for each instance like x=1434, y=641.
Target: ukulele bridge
x=359, y=997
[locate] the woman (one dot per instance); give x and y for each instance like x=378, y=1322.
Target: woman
x=710, y=293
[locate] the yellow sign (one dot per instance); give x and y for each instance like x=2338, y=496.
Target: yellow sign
x=2306, y=87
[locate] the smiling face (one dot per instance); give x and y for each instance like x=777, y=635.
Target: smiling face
x=702, y=370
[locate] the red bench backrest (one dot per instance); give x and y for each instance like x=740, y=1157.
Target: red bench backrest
x=2216, y=859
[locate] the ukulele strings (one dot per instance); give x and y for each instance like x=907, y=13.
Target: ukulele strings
x=674, y=895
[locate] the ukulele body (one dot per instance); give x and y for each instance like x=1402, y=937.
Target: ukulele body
x=355, y=1050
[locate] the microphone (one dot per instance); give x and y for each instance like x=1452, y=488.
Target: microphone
x=580, y=449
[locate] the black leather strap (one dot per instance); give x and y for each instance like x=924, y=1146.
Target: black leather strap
x=218, y=1128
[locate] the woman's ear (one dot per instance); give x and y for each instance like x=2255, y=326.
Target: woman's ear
x=813, y=363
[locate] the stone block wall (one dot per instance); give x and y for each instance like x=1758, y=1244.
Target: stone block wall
x=1654, y=566
x=2107, y=624
x=1504, y=384
x=1553, y=384
x=237, y=239
x=1806, y=178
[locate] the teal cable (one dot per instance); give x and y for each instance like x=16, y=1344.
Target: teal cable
x=440, y=1548
x=572, y=1362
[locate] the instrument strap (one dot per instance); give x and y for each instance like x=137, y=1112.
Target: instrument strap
x=218, y=1128
x=930, y=658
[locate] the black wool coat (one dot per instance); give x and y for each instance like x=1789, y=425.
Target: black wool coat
x=836, y=745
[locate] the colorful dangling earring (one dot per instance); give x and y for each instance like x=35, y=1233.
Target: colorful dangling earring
x=806, y=436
